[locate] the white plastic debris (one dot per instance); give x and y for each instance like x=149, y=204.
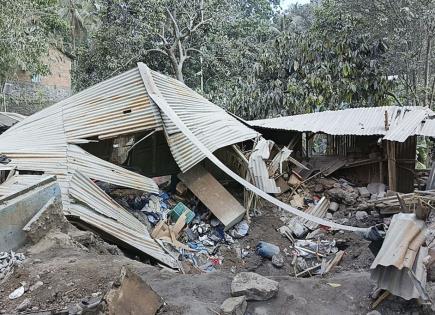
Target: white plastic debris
x=240, y=229
x=16, y=293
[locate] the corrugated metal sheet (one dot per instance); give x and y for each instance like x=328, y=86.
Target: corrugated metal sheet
x=258, y=168
x=402, y=122
x=111, y=108
x=8, y=119
x=18, y=183
x=214, y=127
x=161, y=102
x=400, y=253
x=47, y=141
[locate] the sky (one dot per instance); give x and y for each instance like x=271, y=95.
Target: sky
x=286, y=3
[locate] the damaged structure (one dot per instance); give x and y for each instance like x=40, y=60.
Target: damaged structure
x=376, y=144
x=50, y=142
x=94, y=154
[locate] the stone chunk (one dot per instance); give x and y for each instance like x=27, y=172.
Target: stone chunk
x=361, y=215
x=376, y=188
x=254, y=286
x=364, y=192
x=24, y=305
x=234, y=306
x=333, y=206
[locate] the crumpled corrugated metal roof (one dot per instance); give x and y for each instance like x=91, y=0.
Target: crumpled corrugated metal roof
x=258, y=168
x=212, y=125
x=402, y=122
x=8, y=119
x=401, y=252
x=48, y=141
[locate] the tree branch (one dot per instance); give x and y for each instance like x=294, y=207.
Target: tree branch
x=194, y=49
x=395, y=98
x=176, y=27
x=157, y=50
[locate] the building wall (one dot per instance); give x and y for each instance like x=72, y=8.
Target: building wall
x=27, y=95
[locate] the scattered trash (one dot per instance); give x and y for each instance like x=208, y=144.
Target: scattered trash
x=8, y=261
x=240, y=229
x=267, y=250
x=16, y=293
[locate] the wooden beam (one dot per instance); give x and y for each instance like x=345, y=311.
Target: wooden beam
x=392, y=168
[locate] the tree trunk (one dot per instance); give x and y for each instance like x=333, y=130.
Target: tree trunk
x=427, y=69
x=177, y=67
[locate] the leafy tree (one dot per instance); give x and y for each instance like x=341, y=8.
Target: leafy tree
x=324, y=67
x=408, y=28
x=27, y=28
x=81, y=15
x=196, y=41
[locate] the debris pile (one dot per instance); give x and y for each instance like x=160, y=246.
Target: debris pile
x=8, y=261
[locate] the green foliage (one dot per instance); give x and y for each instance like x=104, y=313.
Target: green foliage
x=217, y=41
x=408, y=28
x=26, y=31
x=324, y=67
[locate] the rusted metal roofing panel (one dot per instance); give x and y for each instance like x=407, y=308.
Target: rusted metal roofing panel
x=214, y=127
x=402, y=122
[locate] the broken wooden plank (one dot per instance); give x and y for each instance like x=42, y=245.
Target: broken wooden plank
x=213, y=195
x=334, y=262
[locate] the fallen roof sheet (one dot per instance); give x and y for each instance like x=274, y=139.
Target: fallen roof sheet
x=198, y=145
x=212, y=125
x=402, y=122
x=8, y=119
x=400, y=253
x=48, y=141
x=258, y=168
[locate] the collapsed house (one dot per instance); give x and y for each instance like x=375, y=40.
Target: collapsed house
x=375, y=144
x=51, y=142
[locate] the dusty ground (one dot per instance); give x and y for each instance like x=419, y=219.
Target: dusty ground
x=75, y=268
x=72, y=274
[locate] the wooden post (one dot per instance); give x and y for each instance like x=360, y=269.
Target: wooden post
x=391, y=155
x=381, y=171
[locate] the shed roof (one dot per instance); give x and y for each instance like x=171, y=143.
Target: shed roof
x=402, y=122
